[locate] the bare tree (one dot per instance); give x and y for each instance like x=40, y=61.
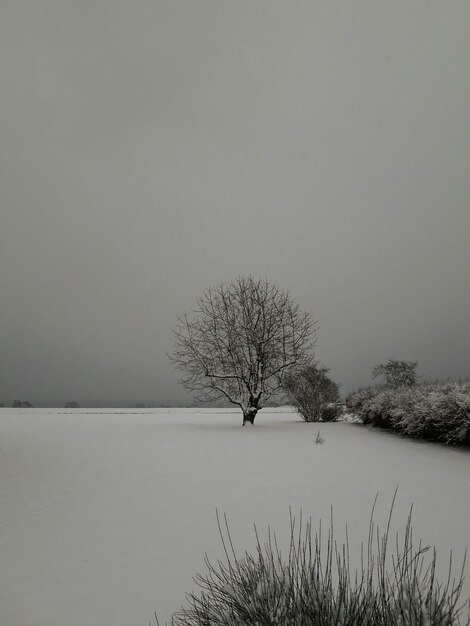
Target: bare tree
x=310, y=390
x=397, y=373
x=240, y=342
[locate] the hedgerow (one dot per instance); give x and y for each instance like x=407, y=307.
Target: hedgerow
x=434, y=411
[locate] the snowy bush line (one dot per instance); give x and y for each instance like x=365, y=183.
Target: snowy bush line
x=434, y=411
x=314, y=586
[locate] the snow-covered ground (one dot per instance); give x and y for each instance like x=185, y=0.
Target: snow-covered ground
x=105, y=516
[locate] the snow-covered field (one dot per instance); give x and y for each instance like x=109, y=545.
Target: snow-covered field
x=105, y=516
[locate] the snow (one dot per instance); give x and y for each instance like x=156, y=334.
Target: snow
x=106, y=515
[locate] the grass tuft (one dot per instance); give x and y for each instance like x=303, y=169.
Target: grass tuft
x=313, y=584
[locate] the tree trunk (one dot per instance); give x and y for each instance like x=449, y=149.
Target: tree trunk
x=249, y=415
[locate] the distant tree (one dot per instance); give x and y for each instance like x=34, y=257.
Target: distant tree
x=241, y=341
x=21, y=404
x=310, y=390
x=71, y=405
x=139, y=405
x=397, y=373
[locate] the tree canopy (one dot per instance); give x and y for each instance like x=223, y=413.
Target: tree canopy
x=240, y=342
x=397, y=373
x=310, y=390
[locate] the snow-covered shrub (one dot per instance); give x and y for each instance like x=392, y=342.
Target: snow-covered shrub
x=331, y=412
x=314, y=586
x=445, y=412
x=379, y=410
x=434, y=411
x=312, y=392
x=357, y=399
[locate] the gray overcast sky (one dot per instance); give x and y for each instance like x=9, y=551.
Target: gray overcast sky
x=152, y=148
